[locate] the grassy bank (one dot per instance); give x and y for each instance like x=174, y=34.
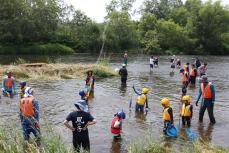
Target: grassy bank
x=38, y=49
x=152, y=146
x=11, y=141
x=58, y=71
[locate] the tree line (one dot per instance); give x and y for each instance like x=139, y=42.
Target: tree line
x=165, y=27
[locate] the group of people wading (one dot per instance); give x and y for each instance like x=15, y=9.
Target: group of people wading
x=81, y=118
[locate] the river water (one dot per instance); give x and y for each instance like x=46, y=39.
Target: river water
x=57, y=97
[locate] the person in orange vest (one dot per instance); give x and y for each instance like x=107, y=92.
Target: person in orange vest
x=90, y=81
x=167, y=114
x=29, y=115
x=186, y=111
x=116, y=124
x=8, y=85
x=193, y=74
x=207, y=92
x=185, y=77
x=186, y=67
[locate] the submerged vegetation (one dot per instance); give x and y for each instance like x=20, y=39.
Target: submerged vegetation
x=58, y=71
x=165, y=27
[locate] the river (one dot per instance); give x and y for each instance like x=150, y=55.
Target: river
x=57, y=97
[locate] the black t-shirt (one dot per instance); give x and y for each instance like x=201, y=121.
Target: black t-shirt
x=123, y=72
x=79, y=120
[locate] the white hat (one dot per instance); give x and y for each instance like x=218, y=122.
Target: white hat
x=28, y=92
x=81, y=104
x=123, y=65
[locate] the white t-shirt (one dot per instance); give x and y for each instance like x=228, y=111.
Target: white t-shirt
x=151, y=61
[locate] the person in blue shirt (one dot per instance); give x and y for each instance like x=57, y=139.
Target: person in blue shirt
x=29, y=115
x=8, y=85
x=207, y=92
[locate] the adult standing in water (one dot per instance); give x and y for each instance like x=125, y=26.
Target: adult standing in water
x=207, y=91
x=197, y=62
x=80, y=121
x=125, y=56
x=193, y=74
x=8, y=85
x=202, y=69
x=123, y=73
x=90, y=81
x=156, y=61
x=29, y=115
x=151, y=62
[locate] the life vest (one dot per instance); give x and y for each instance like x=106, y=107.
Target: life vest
x=185, y=110
x=192, y=73
x=8, y=82
x=22, y=92
x=141, y=99
x=185, y=78
x=206, y=92
x=26, y=106
x=116, y=130
x=165, y=115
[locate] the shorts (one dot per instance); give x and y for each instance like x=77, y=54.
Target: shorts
x=151, y=66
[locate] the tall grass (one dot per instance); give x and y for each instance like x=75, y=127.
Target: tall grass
x=58, y=71
x=152, y=146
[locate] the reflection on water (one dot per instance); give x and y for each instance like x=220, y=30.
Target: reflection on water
x=57, y=98
x=205, y=133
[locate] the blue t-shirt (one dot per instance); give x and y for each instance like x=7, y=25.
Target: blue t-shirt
x=79, y=120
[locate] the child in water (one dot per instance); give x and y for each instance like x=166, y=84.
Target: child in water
x=167, y=114
x=116, y=124
x=186, y=111
x=22, y=89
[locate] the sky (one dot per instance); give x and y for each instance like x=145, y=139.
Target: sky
x=95, y=9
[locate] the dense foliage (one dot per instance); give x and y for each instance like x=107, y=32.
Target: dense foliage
x=165, y=26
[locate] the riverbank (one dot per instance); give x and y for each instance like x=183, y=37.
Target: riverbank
x=11, y=140
x=152, y=146
x=36, y=49
x=57, y=71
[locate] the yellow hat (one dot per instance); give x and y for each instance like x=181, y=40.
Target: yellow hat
x=186, y=99
x=145, y=90
x=165, y=101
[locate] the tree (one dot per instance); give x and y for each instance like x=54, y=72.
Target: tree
x=212, y=23
x=172, y=36
x=121, y=32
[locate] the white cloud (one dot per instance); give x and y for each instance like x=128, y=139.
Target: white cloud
x=95, y=9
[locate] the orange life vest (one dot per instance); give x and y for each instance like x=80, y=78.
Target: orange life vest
x=26, y=106
x=206, y=91
x=116, y=130
x=192, y=73
x=8, y=82
x=185, y=78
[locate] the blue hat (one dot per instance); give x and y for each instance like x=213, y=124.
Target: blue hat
x=82, y=93
x=22, y=83
x=82, y=105
x=121, y=114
